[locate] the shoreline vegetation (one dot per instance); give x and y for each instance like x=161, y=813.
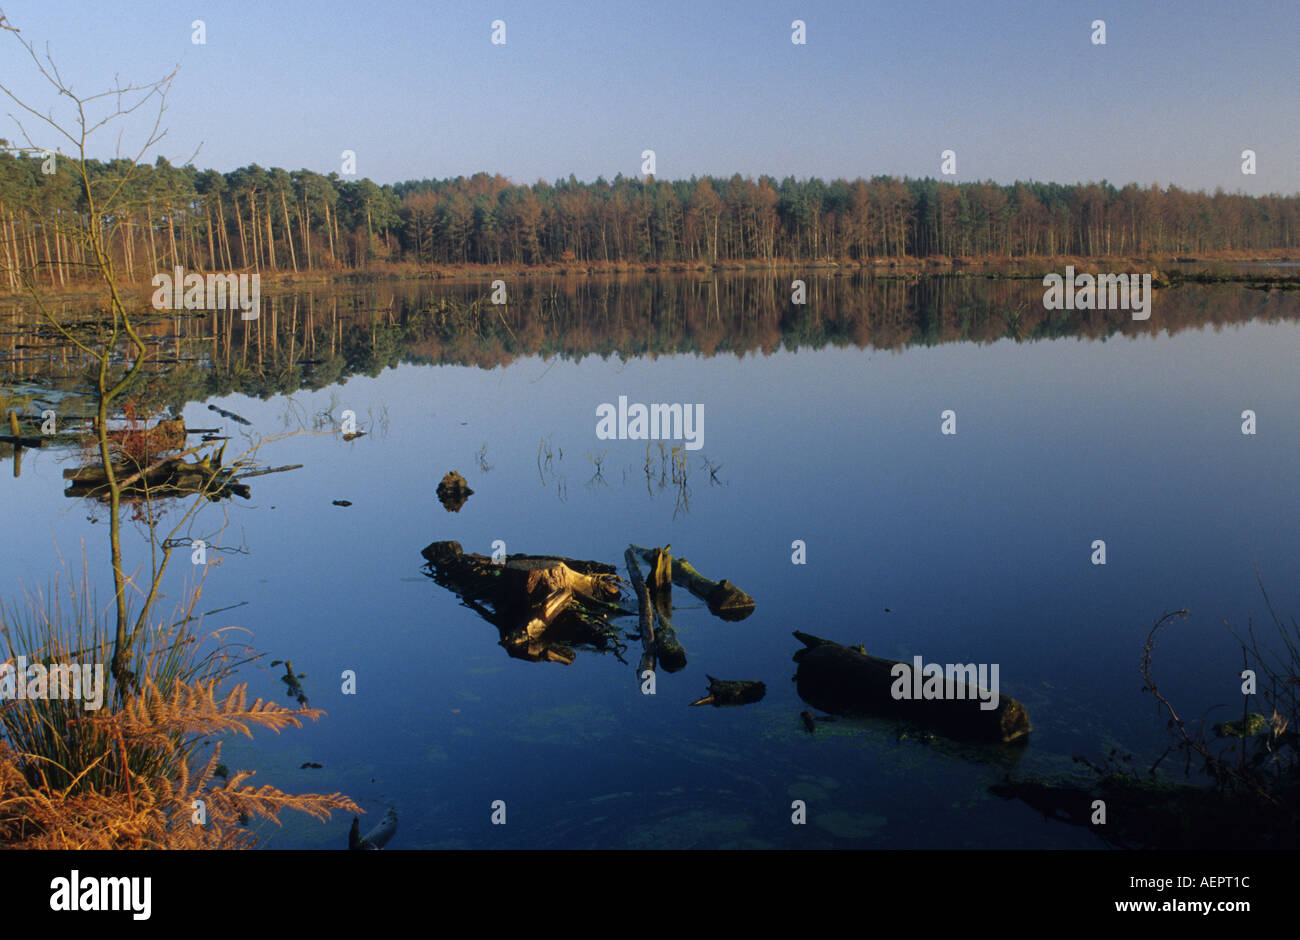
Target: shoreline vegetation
x=1167, y=270
x=143, y=771
x=294, y=225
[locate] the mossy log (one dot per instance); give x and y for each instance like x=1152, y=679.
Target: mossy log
x=846, y=681
x=723, y=598
x=728, y=692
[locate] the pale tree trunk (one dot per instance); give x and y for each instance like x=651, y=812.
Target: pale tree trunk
x=153, y=251
x=288, y=233
x=270, y=240
x=306, y=234
x=252, y=211
x=213, y=263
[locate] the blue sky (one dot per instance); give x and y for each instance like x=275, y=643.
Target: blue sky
x=417, y=89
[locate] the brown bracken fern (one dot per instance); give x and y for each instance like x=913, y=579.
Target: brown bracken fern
x=129, y=809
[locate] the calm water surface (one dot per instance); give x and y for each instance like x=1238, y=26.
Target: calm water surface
x=823, y=426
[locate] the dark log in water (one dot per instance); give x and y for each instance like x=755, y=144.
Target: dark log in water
x=728, y=692
x=846, y=681
x=645, y=613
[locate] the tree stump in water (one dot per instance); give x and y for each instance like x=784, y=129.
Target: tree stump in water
x=453, y=491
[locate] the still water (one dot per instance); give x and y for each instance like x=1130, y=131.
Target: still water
x=821, y=425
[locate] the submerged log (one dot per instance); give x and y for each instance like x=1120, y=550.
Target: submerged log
x=846, y=681
x=645, y=614
x=666, y=648
x=377, y=837
x=723, y=598
x=728, y=692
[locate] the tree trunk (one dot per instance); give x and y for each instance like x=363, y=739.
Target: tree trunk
x=288, y=232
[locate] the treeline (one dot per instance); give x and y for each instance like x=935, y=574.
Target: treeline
x=274, y=220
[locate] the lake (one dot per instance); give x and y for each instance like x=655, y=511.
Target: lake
x=821, y=426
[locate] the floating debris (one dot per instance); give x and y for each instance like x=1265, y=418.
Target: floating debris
x=726, y=693
x=291, y=680
x=453, y=491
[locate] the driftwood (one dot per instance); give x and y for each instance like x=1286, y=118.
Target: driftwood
x=259, y=473
x=724, y=692
x=724, y=599
x=542, y=605
x=164, y=477
x=846, y=681
x=377, y=837
x=668, y=651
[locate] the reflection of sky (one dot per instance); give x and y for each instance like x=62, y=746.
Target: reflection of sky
x=978, y=543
